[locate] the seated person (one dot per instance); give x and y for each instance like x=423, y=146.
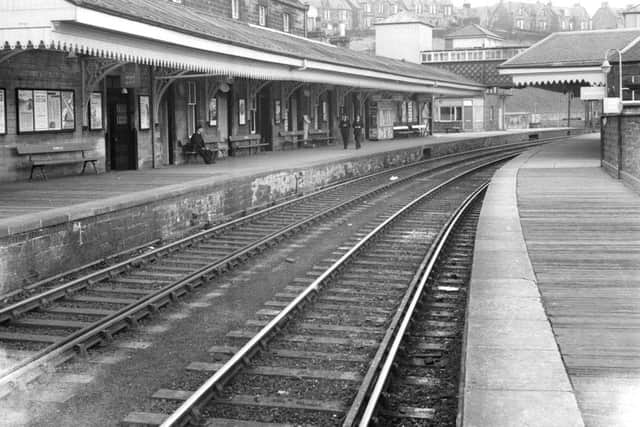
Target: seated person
x=200, y=147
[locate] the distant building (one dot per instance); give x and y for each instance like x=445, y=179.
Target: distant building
x=284, y=15
x=606, y=18
x=403, y=36
x=471, y=36
x=631, y=17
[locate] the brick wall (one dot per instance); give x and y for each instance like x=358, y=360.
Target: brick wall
x=39, y=69
x=628, y=126
x=249, y=12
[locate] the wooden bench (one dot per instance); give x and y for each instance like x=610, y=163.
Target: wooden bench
x=405, y=131
x=319, y=136
x=189, y=153
x=292, y=138
x=421, y=129
x=42, y=155
x=246, y=142
x=450, y=129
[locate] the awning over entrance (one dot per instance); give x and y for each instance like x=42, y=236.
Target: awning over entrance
x=569, y=59
x=170, y=36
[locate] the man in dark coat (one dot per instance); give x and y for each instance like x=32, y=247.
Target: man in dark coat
x=344, y=130
x=357, y=131
x=197, y=142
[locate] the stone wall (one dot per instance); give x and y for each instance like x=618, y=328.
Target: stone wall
x=44, y=244
x=621, y=146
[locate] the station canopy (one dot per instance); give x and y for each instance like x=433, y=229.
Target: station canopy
x=168, y=35
x=569, y=59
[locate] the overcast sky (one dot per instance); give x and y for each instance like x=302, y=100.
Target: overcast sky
x=590, y=5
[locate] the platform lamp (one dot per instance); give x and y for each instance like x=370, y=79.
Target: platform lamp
x=606, y=67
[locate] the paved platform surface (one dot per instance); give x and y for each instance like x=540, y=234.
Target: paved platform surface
x=28, y=197
x=554, y=326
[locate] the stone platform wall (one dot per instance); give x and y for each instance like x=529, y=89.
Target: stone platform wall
x=53, y=241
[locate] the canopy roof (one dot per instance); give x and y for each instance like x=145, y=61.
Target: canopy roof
x=569, y=57
x=170, y=35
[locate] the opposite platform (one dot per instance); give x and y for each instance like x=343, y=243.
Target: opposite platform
x=553, y=333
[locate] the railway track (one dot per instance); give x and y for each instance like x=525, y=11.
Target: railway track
x=315, y=361
x=58, y=321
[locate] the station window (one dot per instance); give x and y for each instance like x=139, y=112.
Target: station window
x=262, y=15
x=286, y=24
x=450, y=113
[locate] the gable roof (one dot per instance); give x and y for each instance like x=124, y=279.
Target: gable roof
x=403, y=17
x=472, y=30
x=178, y=18
x=574, y=49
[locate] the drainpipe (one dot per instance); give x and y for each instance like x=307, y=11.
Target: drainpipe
x=152, y=117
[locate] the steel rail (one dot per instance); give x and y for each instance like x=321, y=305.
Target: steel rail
x=159, y=298
x=389, y=350
x=15, y=310
x=206, y=391
x=104, y=328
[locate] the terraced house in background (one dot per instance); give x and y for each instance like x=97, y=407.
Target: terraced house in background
x=130, y=81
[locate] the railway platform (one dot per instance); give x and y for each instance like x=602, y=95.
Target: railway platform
x=51, y=226
x=553, y=331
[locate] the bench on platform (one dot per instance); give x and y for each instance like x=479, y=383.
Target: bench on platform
x=450, y=129
x=42, y=155
x=422, y=129
x=320, y=136
x=405, y=131
x=189, y=153
x=292, y=138
x=251, y=143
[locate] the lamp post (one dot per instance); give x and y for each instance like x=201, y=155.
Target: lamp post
x=606, y=67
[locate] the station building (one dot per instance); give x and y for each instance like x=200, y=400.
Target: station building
x=133, y=79
x=605, y=59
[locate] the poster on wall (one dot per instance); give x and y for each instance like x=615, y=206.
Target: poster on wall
x=277, y=112
x=68, y=110
x=3, y=112
x=242, y=112
x=145, y=122
x=25, y=110
x=40, y=111
x=95, y=111
x=213, y=111
x=54, y=110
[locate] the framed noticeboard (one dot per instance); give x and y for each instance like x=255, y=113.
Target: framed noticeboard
x=277, y=112
x=45, y=110
x=95, y=111
x=213, y=111
x=3, y=112
x=242, y=111
x=145, y=118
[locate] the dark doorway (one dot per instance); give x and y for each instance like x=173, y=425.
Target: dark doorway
x=121, y=139
x=265, y=128
x=468, y=118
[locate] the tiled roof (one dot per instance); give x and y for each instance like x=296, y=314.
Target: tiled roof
x=472, y=30
x=178, y=18
x=573, y=49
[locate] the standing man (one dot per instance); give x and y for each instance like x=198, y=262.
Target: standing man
x=197, y=142
x=344, y=130
x=357, y=130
